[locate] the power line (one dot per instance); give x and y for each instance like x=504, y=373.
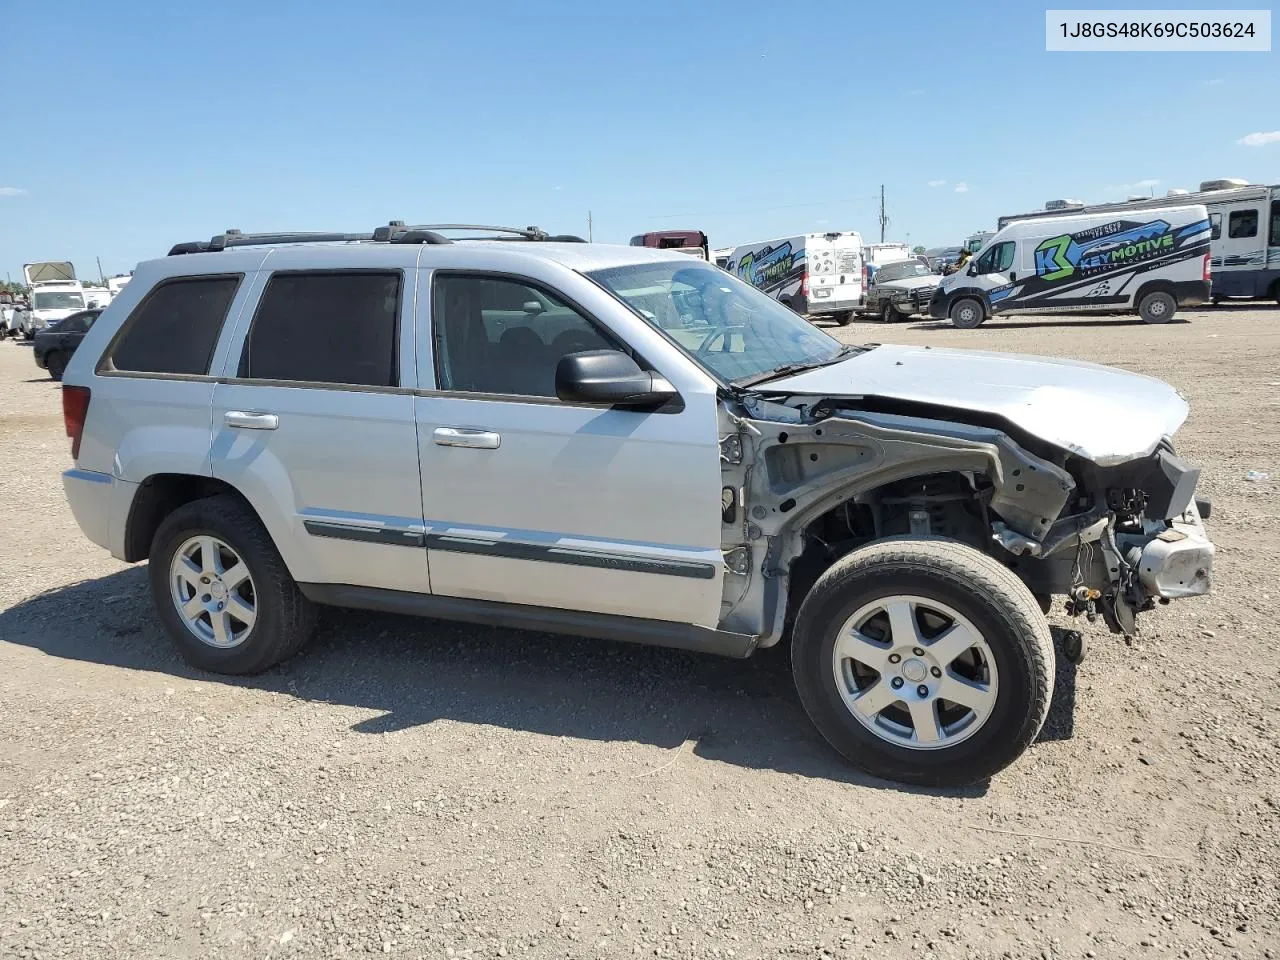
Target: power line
x=789, y=206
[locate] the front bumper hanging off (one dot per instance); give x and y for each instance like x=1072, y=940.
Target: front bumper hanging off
x=1179, y=561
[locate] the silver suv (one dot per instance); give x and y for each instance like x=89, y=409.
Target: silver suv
x=621, y=443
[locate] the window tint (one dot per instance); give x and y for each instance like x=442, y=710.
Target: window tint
x=1274, y=239
x=326, y=328
x=1242, y=223
x=1215, y=226
x=998, y=259
x=500, y=336
x=176, y=326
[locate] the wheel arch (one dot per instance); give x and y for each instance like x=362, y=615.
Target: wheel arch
x=158, y=496
x=1155, y=286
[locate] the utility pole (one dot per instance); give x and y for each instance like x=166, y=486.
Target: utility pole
x=884, y=221
x=101, y=275
x=589, y=227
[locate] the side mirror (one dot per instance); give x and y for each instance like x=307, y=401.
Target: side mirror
x=532, y=307
x=609, y=377
x=973, y=270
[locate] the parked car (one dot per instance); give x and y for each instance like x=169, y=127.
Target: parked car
x=55, y=344
x=506, y=437
x=899, y=290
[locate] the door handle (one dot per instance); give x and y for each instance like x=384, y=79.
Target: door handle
x=466, y=437
x=251, y=421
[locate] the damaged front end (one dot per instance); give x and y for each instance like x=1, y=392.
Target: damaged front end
x=808, y=479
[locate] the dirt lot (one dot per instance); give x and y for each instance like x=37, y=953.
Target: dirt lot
x=418, y=789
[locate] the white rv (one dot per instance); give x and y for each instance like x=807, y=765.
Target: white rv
x=54, y=293
x=818, y=274
x=1144, y=261
x=976, y=241
x=1244, y=224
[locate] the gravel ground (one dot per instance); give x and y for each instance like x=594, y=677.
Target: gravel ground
x=421, y=789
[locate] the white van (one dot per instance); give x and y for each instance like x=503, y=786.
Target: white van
x=1149, y=262
x=1244, y=222
x=817, y=274
x=55, y=294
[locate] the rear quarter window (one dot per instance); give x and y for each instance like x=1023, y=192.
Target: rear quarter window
x=175, y=328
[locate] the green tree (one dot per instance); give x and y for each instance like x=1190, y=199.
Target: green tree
x=917, y=250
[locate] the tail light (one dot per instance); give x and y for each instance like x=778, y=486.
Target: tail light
x=1208, y=271
x=75, y=408
x=804, y=285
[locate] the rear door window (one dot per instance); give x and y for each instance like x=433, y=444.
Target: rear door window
x=175, y=328
x=1274, y=239
x=327, y=327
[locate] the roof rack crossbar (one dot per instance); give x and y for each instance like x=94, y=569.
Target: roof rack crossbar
x=529, y=233
x=234, y=238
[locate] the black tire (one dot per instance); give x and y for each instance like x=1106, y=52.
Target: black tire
x=989, y=595
x=1157, y=307
x=889, y=313
x=967, y=313
x=56, y=364
x=285, y=617
x=846, y=318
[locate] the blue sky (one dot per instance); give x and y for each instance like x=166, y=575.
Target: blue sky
x=168, y=122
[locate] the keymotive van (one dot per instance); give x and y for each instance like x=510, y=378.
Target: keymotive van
x=1148, y=261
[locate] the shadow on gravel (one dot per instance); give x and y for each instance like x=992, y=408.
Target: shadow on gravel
x=414, y=671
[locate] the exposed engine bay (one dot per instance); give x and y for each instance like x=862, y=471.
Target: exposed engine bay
x=810, y=478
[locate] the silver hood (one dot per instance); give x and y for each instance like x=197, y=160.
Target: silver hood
x=1100, y=413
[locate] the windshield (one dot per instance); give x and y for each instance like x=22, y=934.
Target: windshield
x=58, y=301
x=728, y=326
x=900, y=271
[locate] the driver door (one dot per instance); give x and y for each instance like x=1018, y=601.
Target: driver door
x=995, y=269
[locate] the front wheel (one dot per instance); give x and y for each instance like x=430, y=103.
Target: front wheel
x=924, y=661
x=889, y=313
x=1157, y=307
x=222, y=590
x=967, y=313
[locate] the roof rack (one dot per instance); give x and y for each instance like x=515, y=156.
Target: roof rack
x=394, y=232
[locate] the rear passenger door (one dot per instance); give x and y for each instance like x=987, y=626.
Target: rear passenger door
x=314, y=419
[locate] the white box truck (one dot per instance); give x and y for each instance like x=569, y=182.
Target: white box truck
x=1144, y=261
x=815, y=274
x=54, y=293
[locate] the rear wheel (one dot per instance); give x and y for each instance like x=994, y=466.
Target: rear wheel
x=924, y=661
x=844, y=319
x=1157, y=307
x=56, y=364
x=966, y=313
x=222, y=590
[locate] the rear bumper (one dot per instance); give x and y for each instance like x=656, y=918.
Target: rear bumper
x=100, y=503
